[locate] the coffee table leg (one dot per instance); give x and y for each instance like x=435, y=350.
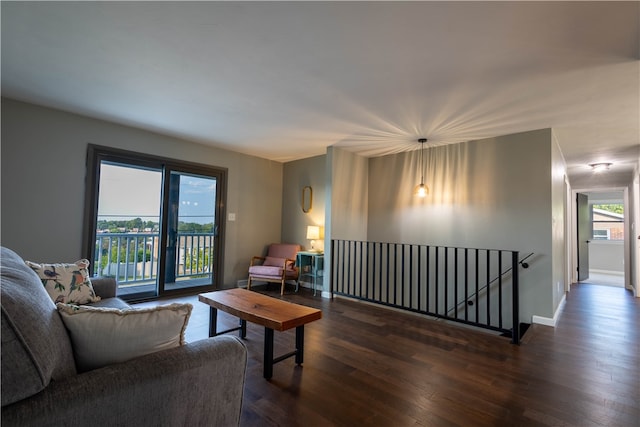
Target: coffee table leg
x=213, y=321
x=268, y=353
x=243, y=329
x=299, y=344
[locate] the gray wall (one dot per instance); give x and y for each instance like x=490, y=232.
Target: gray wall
x=43, y=172
x=296, y=175
x=503, y=193
x=349, y=195
x=607, y=256
x=493, y=193
x=347, y=200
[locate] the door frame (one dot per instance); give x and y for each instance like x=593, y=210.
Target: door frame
x=572, y=215
x=98, y=153
x=584, y=235
x=634, y=236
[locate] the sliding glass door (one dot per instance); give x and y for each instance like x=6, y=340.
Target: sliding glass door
x=191, y=230
x=153, y=223
x=127, y=242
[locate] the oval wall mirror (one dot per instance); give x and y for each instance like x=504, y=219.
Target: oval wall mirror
x=307, y=199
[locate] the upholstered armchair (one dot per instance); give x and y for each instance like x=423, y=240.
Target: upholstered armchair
x=277, y=266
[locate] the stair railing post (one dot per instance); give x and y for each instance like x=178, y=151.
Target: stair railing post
x=515, y=337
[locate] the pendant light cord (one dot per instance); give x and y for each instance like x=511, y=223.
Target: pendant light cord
x=422, y=141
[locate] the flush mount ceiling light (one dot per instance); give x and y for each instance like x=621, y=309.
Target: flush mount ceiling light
x=421, y=189
x=600, y=167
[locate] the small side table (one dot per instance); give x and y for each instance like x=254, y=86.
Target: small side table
x=311, y=266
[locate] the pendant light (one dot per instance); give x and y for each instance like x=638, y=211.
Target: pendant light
x=421, y=189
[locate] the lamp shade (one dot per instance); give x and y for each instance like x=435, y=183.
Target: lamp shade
x=313, y=232
x=421, y=190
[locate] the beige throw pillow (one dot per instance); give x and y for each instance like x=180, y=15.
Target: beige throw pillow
x=101, y=336
x=66, y=283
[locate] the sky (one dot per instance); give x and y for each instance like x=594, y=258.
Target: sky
x=128, y=193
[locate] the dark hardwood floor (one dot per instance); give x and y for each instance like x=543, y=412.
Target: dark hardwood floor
x=371, y=366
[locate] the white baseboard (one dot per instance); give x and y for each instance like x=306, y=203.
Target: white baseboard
x=543, y=321
x=540, y=320
x=323, y=293
x=609, y=272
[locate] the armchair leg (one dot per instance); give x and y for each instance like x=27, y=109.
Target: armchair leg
x=282, y=288
x=249, y=284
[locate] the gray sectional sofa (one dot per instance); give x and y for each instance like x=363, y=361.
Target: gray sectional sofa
x=196, y=384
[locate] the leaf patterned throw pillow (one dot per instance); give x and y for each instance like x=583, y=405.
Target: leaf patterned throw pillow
x=66, y=283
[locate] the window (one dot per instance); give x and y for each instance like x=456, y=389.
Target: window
x=153, y=223
x=600, y=234
x=608, y=221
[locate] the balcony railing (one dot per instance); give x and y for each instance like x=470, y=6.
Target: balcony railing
x=133, y=257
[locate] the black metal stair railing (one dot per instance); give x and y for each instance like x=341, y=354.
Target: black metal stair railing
x=496, y=280
x=478, y=287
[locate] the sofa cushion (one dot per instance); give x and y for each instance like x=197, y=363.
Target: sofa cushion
x=101, y=335
x=35, y=345
x=110, y=303
x=68, y=283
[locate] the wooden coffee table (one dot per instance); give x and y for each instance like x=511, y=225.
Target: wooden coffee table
x=272, y=313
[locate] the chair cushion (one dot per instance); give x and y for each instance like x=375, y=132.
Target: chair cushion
x=68, y=283
x=278, y=262
x=265, y=271
x=102, y=335
x=35, y=346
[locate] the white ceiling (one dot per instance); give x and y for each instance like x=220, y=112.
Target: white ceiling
x=284, y=80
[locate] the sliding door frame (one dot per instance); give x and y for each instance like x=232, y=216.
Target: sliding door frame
x=96, y=154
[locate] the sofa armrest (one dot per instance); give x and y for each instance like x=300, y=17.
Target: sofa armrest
x=104, y=287
x=200, y=383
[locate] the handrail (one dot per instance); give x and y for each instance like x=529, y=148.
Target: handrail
x=504, y=273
